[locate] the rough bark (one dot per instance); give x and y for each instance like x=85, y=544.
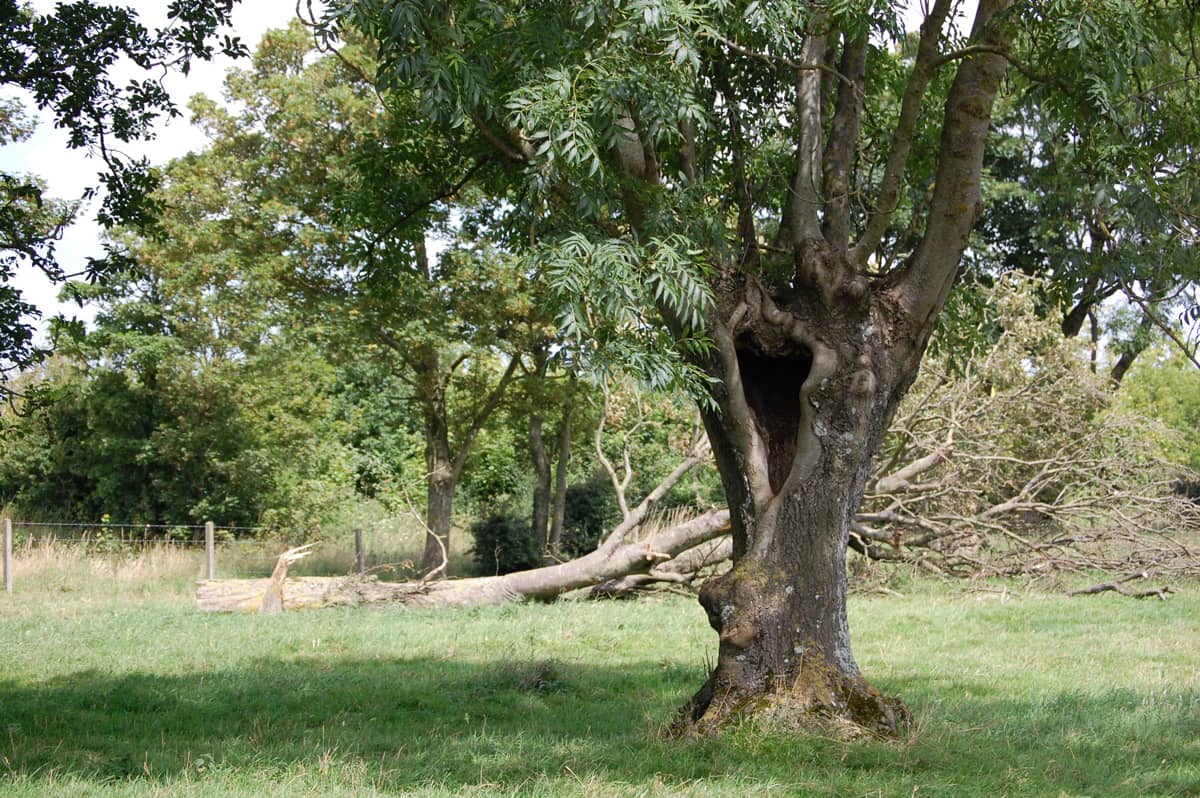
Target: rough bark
x=807, y=378
x=810, y=382
x=606, y=563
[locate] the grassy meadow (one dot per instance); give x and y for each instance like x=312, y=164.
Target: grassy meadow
x=113, y=685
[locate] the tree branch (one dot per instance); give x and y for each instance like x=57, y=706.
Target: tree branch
x=902, y=137
x=805, y=202
x=741, y=187
x=481, y=417
x=1148, y=312
x=957, y=198
x=843, y=137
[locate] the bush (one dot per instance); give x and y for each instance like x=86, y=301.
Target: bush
x=504, y=543
x=591, y=511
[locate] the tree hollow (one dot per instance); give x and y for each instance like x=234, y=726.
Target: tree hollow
x=771, y=383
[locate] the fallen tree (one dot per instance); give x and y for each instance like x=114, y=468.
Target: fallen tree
x=614, y=560
x=1009, y=463
x=630, y=551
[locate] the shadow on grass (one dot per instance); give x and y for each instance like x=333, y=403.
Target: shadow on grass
x=407, y=723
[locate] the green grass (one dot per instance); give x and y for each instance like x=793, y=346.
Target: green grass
x=112, y=685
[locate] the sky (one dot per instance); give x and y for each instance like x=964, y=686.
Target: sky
x=68, y=173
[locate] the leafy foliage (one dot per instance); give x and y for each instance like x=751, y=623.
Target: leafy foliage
x=591, y=512
x=504, y=543
x=61, y=61
x=1167, y=388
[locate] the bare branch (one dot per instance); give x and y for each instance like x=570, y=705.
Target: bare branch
x=902, y=137
x=805, y=202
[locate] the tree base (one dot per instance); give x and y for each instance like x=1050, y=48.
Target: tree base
x=827, y=704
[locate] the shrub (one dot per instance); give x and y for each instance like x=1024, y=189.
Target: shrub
x=591, y=511
x=504, y=543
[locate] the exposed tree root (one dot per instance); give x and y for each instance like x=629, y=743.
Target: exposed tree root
x=816, y=700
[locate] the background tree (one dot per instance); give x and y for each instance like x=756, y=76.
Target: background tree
x=313, y=179
x=1094, y=184
x=698, y=170
x=62, y=62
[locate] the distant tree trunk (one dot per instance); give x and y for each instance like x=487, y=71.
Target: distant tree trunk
x=444, y=459
x=541, y=484
x=441, y=482
x=558, y=518
x=1132, y=349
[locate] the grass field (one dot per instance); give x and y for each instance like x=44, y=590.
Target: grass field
x=112, y=685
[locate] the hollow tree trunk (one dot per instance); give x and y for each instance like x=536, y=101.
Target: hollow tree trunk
x=808, y=386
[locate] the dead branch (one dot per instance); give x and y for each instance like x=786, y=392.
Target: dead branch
x=272, y=600
x=1018, y=465
x=1116, y=586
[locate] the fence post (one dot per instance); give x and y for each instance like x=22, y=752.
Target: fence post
x=209, y=553
x=359, y=554
x=8, y=555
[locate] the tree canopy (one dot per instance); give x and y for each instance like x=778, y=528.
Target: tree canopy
x=63, y=63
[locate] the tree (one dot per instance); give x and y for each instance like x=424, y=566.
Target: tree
x=176, y=409
x=62, y=62
x=1096, y=183
x=315, y=195
x=1167, y=388
x=755, y=176
x=29, y=223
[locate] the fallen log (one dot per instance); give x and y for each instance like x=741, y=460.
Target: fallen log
x=614, y=559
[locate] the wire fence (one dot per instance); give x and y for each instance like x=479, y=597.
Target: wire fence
x=225, y=551
x=106, y=534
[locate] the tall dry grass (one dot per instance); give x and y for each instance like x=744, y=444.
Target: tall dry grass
x=48, y=565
